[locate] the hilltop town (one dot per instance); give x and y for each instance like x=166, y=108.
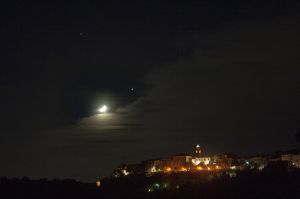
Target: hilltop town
x=180, y=176
x=218, y=162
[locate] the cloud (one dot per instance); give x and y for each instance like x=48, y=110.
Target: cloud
x=107, y=121
x=240, y=84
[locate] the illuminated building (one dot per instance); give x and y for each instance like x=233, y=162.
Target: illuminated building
x=294, y=159
x=225, y=162
x=153, y=166
x=201, y=160
x=198, y=151
x=177, y=162
x=125, y=170
x=198, y=159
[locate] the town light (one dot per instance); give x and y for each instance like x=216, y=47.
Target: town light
x=126, y=173
x=183, y=169
x=98, y=183
x=206, y=162
x=157, y=185
x=196, y=161
x=153, y=169
x=168, y=169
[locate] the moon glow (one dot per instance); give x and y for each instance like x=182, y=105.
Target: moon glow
x=103, y=109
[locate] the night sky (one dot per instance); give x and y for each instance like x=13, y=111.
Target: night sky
x=224, y=74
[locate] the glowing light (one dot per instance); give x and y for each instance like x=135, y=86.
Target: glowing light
x=261, y=167
x=218, y=167
x=103, y=109
x=98, y=183
x=196, y=161
x=183, y=169
x=199, y=168
x=208, y=168
x=168, y=169
x=206, y=162
x=153, y=169
x=126, y=173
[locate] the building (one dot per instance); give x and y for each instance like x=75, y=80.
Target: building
x=202, y=160
x=198, y=151
x=197, y=163
x=294, y=159
x=258, y=162
x=180, y=162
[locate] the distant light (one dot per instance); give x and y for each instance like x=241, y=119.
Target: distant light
x=196, y=161
x=261, y=167
x=103, y=109
x=206, y=162
x=132, y=89
x=183, y=169
x=198, y=146
x=98, y=183
x=168, y=169
x=153, y=169
x=126, y=173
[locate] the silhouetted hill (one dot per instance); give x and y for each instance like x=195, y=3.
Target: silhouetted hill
x=269, y=183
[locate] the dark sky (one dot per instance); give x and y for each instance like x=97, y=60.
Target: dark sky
x=224, y=74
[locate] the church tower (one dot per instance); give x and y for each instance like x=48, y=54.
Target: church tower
x=198, y=151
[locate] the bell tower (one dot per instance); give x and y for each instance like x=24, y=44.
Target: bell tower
x=198, y=151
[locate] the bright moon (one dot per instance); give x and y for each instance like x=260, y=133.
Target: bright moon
x=103, y=109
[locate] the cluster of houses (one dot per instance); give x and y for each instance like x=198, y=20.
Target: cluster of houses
x=198, y=163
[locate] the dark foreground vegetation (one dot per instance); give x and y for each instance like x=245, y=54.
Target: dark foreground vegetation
x=246, y=184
